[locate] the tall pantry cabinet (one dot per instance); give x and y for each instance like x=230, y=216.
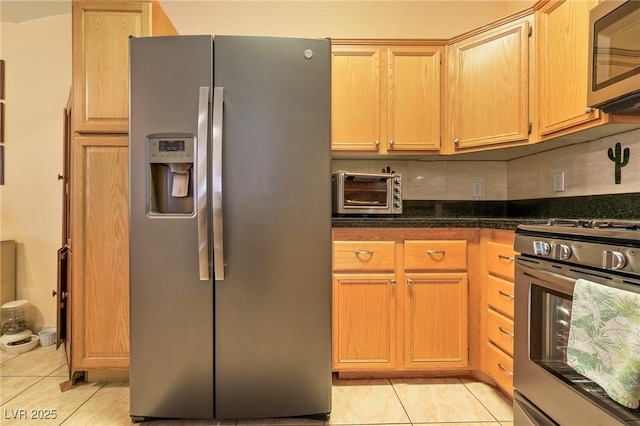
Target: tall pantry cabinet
x=99, y=220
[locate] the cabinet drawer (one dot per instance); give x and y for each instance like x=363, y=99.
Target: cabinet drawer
x=501, y=259
x=500, y=331
x=500, y=295
x=434, y=255
x=361, y=256
x=500, y=367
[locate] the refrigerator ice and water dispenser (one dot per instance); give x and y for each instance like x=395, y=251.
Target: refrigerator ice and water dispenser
x=171, y=175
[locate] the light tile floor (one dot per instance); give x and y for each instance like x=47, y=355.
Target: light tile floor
x=30, y=394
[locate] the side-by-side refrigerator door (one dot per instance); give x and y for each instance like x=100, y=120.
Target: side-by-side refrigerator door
x=273, y=298
x=171, y=288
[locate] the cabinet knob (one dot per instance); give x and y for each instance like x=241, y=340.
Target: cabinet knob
x=456, y=142
x=391, y=142
x=409, y=281
x=377, y=143
x=392, y=281
x=589, y=110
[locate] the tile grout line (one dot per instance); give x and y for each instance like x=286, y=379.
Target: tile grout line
x=400, y=399
x=478, y=399
x=80, y=406
x=23, y=390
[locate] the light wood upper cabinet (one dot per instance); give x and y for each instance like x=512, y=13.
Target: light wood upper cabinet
x=562, y=73
x=386, y=99
x=489, y=88
x=101, y=32
x=356, y=121
x=413, y=98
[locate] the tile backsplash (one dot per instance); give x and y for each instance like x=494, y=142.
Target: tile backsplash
x=587, y=169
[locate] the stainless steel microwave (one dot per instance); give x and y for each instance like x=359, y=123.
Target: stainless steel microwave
x=614, y=57
x=366, y=193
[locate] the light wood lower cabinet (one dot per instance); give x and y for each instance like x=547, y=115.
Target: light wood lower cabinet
x=498, y=274
x=100, y=222
x=436, y=320
x=409, y=314
x=364, y=321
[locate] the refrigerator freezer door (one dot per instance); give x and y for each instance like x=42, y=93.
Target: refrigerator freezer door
x=273, y=309
x=171, y=308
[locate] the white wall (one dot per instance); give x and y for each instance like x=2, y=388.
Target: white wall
x=37, y=56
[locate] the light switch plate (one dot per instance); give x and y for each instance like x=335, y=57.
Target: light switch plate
x=558, y=182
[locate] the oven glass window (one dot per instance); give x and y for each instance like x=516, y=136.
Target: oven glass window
x=550, y=317
x=363, y=192
x=616, y=41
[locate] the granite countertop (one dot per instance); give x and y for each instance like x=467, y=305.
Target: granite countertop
x=499, y=214
x=432, y=222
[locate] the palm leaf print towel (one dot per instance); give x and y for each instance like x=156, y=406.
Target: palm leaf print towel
x=604, y=339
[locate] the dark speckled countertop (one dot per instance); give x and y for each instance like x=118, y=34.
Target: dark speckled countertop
x=432, y=222
x=499, y=214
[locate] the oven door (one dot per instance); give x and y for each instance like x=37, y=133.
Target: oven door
x=543, y=300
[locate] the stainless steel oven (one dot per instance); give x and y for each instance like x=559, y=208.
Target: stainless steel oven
x=552, y=258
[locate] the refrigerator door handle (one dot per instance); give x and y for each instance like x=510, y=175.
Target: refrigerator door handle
x=216, y=172
x=203, y=240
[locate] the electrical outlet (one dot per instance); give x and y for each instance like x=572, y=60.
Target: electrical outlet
x=477, y=189
x=558, y=182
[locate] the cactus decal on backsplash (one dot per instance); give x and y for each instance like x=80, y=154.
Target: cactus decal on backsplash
x=620, y=158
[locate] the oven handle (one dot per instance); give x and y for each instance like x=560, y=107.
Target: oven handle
x=552, y=281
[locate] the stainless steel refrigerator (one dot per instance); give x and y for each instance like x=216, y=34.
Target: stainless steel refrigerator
x=230, y=227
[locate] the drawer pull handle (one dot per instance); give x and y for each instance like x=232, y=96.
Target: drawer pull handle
x=360, y=253
x=503, y=257
x=510, y=296
x=510, y=373
x=502, y=330
x=435, y=251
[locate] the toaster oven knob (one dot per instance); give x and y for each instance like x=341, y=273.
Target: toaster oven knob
x=613, y=260
x=540, y=248
x=561, y=251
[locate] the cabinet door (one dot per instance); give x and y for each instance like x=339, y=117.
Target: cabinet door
x=356, y=120
x=101, y=33
x=364, y=322
x=436, y=329
x=490, y=93
x=563, y=51
x=100, y=295
x=413, y=98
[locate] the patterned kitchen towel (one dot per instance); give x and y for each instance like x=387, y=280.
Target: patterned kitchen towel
x=604, y=339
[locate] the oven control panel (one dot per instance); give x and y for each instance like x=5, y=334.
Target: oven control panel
x=597, y=255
